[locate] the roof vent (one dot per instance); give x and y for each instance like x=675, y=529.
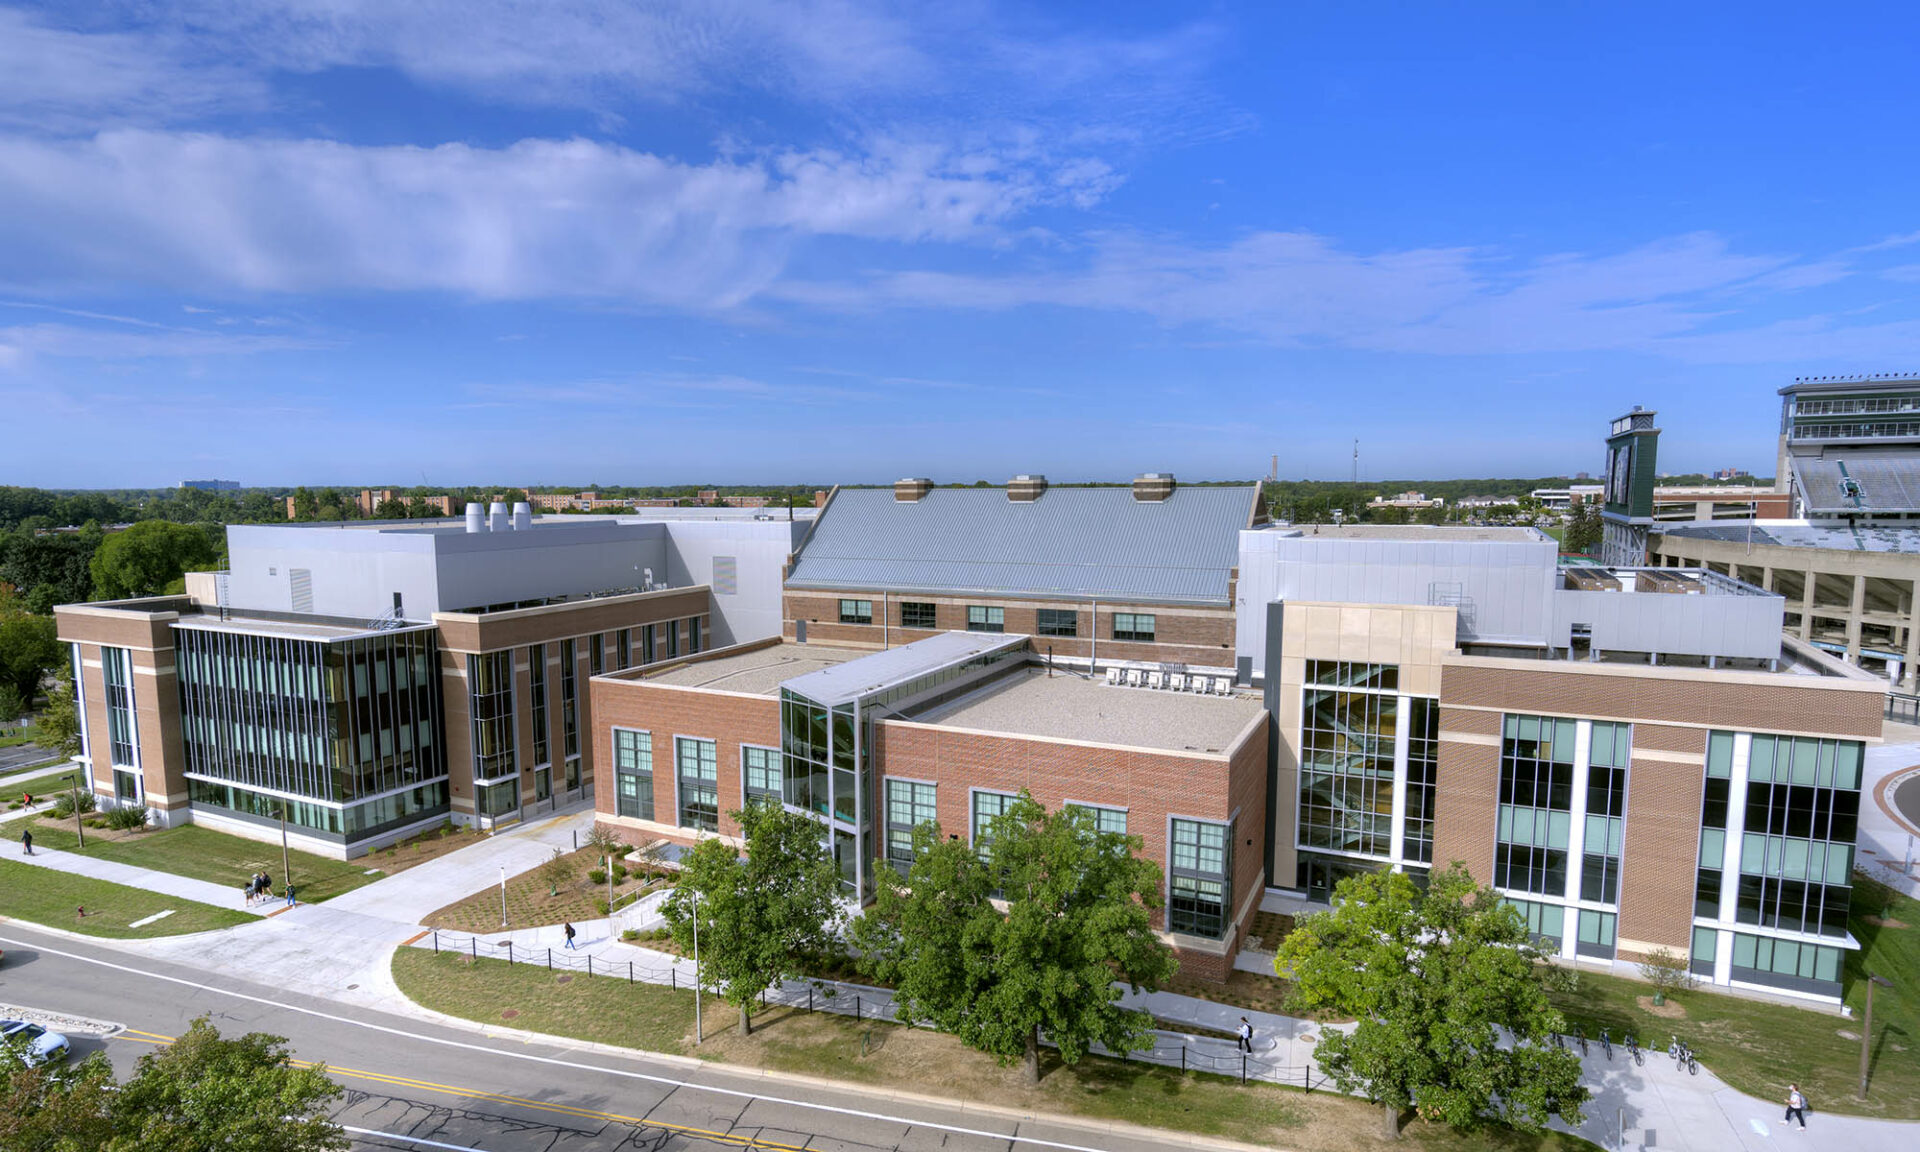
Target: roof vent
x=1025, y=489
x=1152, y=487
x=911, y=489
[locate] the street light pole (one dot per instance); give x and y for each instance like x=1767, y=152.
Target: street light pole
x=1866, y=1031
x=699, y=1035
x=286, y=857
x=503, y=895
x=78, y=825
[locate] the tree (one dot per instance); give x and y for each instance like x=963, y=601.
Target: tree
x=59, y=722
x=557, y=870
x=1078, y=916
x=1433, y=977
x=198, y=1094
x=147, y=557
x=29, y=646
x=1583, y=529
x=761, y=916
x=12, y=707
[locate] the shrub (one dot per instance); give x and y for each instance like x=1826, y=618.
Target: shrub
x=1667, y=973
x=63, y=807
x=619, y=873
x=630, y=935
x=600, y=905
x=598, y=876
x=603, y=840
x=127, y=818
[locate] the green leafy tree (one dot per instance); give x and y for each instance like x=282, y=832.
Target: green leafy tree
x=12, y=707
x=54, y=1107
x=762, y=916
x=59, y=722
x=204, y=1093
x=1432, y=978
x=29, y=647
x=147, y=557
x=1077, y=917
x=1583, y=529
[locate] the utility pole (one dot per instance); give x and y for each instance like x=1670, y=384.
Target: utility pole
x=1866, y=1031
x=699, y=1034
x=1356, y=462
x=286, y=857
x=78, y=825
x=503, y=895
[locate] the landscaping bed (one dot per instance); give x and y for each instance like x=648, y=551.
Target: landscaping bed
x=44, y=896
x=532, y=899
x=611, y=1011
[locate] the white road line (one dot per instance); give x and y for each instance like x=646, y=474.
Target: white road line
x=407, y=1139
x=559, y=1063
x=151, y=919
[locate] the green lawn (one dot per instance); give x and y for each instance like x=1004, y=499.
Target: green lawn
x=205, y=854
x=44, y=896
x=18, y=736
x=611, y=1011
x=45, y=784
x=1760, y=1047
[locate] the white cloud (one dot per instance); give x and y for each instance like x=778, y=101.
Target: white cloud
x=22, y=342
x=538, y=218
x=58, y=79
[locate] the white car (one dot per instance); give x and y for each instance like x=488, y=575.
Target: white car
x=42, y=1046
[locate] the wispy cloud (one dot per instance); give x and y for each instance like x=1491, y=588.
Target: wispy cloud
x=19, y=343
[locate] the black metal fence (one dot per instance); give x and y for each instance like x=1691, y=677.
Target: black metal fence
x=867, y=1003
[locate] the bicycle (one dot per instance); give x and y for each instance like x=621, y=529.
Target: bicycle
x=1686, y=1060
x=1633, y=1050
x=1559, y=1041
x=1606, y=1041
x=1583, y=1042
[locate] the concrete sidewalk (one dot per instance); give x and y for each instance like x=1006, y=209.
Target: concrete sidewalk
x=186, y=888
x=408, y=897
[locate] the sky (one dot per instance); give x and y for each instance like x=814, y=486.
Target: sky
x=829, y=241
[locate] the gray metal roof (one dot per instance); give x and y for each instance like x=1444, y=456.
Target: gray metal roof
x=1862, y=539
x=840, y=683
x=1885, y=481
x=1071, y=543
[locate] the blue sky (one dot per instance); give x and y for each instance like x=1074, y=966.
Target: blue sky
x=812, y=241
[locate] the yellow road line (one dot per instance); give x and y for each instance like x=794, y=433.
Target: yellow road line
x=139, y=1037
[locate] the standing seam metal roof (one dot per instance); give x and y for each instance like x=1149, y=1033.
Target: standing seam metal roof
x=1072, y=542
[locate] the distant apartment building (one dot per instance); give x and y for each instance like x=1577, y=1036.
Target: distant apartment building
x=366, y=681
x=212, y=485
x=1564, y=499
x=1406, y=500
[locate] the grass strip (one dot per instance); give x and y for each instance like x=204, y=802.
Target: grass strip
x=611, y=1011
x=204, y=854
x=44, y=896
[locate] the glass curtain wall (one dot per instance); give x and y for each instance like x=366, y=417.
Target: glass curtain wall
x=490, y=696
x=824, y=753
x=345, y=732
x=1368, y=760
x=116, y=671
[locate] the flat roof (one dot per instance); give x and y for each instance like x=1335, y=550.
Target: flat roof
x=1802, y=534
x=852, y=679
x=759, y=672
x=1415, y=532
x=319, y=629
x=1070, y=707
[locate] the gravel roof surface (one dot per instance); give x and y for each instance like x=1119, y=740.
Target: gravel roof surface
x=1070, y=708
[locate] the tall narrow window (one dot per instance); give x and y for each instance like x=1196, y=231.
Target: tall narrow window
x=490, y=696
x=988, y=806
x=760, y=769
x=699, y=784
x=633, y=773
x=1611, y=752
x=693, y=635
x=909, y=805
x=647, y=649
x=673, y=638
x=623, y=647
x=1535, y=816
x=1199, y=881
x=570, y=698
x=1423, y=769
x=116, y=669
x=597, y=653
x=537, y=683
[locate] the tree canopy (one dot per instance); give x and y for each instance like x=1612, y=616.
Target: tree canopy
x=763, y=915
x=147, y=557
x=29, y=646
x=1432, y=979
x=1077, y=917
x=201, y=1093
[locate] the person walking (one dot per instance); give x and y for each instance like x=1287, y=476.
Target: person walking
x=1245, y=1034
x=1796, y=1107
x=26, y=840
x=569, y=930
x=290, y=900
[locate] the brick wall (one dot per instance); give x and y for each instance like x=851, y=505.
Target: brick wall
x=1466, y=793
x=1662, y=844
x=728, y=719
x=1200, y=635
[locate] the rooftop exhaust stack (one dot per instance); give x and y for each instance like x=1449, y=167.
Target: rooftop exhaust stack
x=910, y=490
x=1025, y=489
x=476, y=518
x=1152, y=487
x=522, y=516
x=496, y=517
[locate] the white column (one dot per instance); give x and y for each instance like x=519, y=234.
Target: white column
x=1401, y=738
x=1730, y=857
x=1577, y=833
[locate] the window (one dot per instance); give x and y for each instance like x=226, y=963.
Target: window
x=693, y=635
x=986, y=807
x=761, y=769
x=126, y=786
x=1346, y=770
x=633, y=773
x=1341, y=674
x=1796, y=850
x=1611, y=752
x=570, y=698
x=1058, y=622
x=1198, y=885
x=537, y=681
x=909, y=805
x=1133, y=626
x=543, y=783
x=623, y=648
x=597, y=653
x=914, y=615
x=1546, y=923
x=1786, y=964
x=1596, y=933
x=673, y=638
x=1706, y=947
x=1423, y=770
x=1534, y=821
x=647, y=632
x=496, y=800
x=490, y=696
x=856, y=611
x=1106, y=819
x=116, y=669
x=699, y=777
x=982, y=619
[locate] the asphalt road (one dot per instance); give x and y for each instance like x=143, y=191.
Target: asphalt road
x=416, y=1085
x=1906, y=798
x=18, y=757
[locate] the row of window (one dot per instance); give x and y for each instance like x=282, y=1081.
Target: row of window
x=1777, y=963
x=1065, y=622
x=1547, y=925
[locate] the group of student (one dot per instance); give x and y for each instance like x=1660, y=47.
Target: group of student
x=259, y=887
